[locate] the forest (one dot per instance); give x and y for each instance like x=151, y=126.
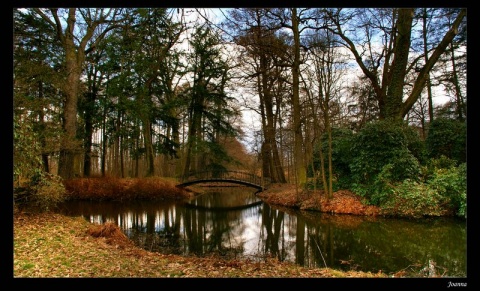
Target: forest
x=373, y=100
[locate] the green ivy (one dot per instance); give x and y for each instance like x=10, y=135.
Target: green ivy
x=35, y=186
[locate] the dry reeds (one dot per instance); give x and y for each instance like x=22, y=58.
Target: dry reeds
x=108, y=188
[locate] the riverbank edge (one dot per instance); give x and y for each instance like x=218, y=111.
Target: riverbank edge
x=49, y=245
x=285, y=195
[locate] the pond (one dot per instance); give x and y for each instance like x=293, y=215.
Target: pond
x=231, y=222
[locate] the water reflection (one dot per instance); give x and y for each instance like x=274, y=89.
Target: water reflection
x=234, y=223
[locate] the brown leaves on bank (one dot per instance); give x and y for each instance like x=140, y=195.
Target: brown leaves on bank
x=343, y=201
x=112, y=233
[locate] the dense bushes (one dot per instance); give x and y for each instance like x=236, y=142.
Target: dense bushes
x=43, y=191
x=382, y=156
x=390, y=166
x=31, y=184
x=442, y=193
x=447, y=137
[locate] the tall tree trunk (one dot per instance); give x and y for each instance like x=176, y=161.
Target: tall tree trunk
x=195, y=123
x=116, y=149
x=104, y=143
x=394, y=99
x=74, y=59
x=270, y=149
x=265, y=147
x=137, y=159
x=429, y=85
x=276, y=170
x=328, y=129
x=122, y=162
x=300, y=170
x=69, y=144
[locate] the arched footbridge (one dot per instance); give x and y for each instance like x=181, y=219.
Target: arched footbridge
x=237, y=177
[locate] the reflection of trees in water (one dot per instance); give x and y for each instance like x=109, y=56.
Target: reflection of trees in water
x=290, y=238
x=310, y=239
x=226, y=198
x=154, y=231
x=366, y=243
x=214, y=232
x=319, y=245
x=212, y=227
x=272, y=221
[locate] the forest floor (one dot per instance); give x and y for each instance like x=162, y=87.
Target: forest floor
x=48, y=245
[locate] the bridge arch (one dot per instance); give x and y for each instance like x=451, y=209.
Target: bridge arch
x=237, y=177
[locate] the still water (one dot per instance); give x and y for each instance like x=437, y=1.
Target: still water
x=233, y=223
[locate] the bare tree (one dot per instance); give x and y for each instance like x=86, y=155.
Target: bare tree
x=263, y=48
x=328, y=68
x=387, y=67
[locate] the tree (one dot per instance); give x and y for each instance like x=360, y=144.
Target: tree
x=208, y=108
x=262, y=48
x=328, y=67
x=447, y=137
x=88, y=103
x=391, y=63
x=36, y=77
x=453, y=66
x=78, y=37
x=425, y=17
x=155, y=34
x=293, y=20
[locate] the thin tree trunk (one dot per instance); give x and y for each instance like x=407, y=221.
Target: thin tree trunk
x=458, y=92
x=104, y=143
x=429, y=85
x=41, y=120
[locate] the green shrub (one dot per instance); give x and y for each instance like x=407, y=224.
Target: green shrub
x=447, y=137
x=341, y=153
x=444, y=193
x=432, y=166
x=414, y=199
x=32, y=185
x=43, y=192
x=47, y=190
x=341, y=156
x=451, y=183
x=382, y=156
x=415, y=145
x=26, y=151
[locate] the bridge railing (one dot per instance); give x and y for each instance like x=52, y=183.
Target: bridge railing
x=226, y=175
